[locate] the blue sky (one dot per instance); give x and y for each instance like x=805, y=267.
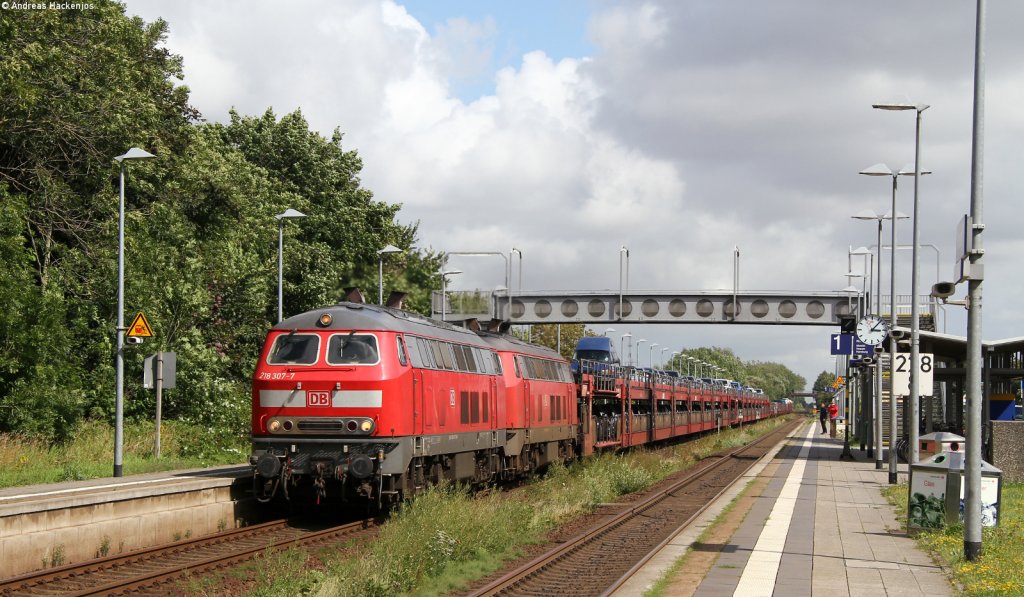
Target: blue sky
x=558, y=28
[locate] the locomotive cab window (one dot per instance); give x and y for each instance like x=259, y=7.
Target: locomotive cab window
x=294, y=349
x=352, y=349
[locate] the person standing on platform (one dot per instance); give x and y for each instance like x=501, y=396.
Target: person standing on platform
x=833, y=412
x=823, y=416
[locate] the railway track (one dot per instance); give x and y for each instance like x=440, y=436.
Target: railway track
x=582, y=566
x=148, y=571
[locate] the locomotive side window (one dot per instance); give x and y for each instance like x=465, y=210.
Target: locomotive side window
x=415, y=352
x=460, y=358
x=352, y=349
x=401, y=351
x=295, y=349
x=470, y=359
x=497, y=364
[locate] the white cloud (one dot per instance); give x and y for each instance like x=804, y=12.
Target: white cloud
x=692, y=129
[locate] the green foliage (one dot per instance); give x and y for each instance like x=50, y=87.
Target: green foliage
x=201, y=239
x=548, y=335
x=822, y=387
x=777, y=380
x=998, y=570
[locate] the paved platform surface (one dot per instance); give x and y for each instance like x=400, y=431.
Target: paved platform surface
x=820, y=527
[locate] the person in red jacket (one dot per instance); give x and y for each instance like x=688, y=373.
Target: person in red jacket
x=833, y=412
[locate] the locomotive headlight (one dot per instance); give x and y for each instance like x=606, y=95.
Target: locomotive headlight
x=325, y=320
x=274, y=426
x=367, y=425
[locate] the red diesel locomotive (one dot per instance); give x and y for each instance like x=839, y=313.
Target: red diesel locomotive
x=373, y=402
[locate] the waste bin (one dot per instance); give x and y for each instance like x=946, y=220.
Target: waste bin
x=939, y=442
x=936, y=492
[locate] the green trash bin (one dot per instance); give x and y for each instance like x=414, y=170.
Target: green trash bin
x=936, y=492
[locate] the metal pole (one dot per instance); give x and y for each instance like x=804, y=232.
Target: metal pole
x=119, y=358
x=159, y=398
x=443, y=295
x=878, y=362
x=735, y=280
x=915, y=323
x=893, y=476
x=380, y=279
x=972, y=505
x=280, y=268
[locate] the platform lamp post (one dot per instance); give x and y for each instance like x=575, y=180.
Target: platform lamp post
x=444, y=288
x=871, y=215
x=663, y=350
x=883, y=170
x=850, y=291
x=915, y=323
x=380, y=271
x=864, y=417
x=132, y=154
x=846, y=454
x=638, y=343
x=607, y=330
x=674, y=355
x=622, y=343
x=623, y=250
x=281, y=217
x=650, y=354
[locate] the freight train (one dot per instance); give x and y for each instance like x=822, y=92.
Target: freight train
x=374, y=403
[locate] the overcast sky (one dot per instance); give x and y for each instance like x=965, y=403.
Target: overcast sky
x=679, y=129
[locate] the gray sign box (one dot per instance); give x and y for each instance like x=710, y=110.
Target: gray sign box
x=149, y=370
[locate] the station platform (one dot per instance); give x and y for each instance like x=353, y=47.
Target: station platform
x=802, y=522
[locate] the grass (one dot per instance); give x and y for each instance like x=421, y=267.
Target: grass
x=446, y=538
x=28, y=461
x=999, y=570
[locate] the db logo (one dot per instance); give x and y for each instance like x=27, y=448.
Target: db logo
x=316, y=398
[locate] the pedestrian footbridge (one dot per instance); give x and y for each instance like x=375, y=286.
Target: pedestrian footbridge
x=594, y=307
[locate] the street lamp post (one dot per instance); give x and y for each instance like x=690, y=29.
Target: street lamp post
x=622, y=344
x=623, y=250
x=444, y=288
x=663, y=350
x=863, y=308
x=380, y=271
x=650, y=354
x=281, y=217
x=892, y=216
x=132, y=154
x=883, y=170
x=847, y=410
x=915, y=324
x=638, y=343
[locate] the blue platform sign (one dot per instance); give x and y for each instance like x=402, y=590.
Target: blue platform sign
x=851, y=345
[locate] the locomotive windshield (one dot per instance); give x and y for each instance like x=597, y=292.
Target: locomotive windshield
x=352, y=349
x=295, y=349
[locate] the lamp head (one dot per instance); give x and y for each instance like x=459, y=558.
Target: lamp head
x=867, y=214
x=134, y=154
x=389, y=249
x=290, y=213
x=877, y=170
x=901, y=107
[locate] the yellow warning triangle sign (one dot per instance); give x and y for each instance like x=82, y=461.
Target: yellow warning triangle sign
x=839, y=380
x=140, y=327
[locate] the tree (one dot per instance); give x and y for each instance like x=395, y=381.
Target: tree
x=548, y=334
x=822, y=387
